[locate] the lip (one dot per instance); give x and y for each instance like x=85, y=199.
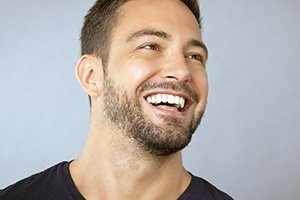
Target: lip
x=188, y=100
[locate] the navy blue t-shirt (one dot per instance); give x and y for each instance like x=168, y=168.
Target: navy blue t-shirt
x=56, y=183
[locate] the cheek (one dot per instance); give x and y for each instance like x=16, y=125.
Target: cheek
x=135, y=72
x=201, y=85
x=204, y=89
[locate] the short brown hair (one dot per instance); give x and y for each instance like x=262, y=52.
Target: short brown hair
x=100, y=22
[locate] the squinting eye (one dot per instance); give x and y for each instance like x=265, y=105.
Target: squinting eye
x=197, y=57
x=150, y=47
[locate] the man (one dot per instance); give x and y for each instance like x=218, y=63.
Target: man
x=143, y=67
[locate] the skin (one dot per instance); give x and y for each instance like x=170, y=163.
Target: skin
x=111, y=165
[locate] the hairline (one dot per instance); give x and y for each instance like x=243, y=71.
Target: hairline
x=115, y=21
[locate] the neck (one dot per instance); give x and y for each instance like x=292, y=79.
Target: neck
x=111, y=168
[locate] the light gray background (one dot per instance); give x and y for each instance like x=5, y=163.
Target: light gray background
x=248, y=143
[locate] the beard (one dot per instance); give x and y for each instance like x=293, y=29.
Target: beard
x=126, y=115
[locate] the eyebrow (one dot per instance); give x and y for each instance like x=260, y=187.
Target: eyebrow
x=166, y=36
x=148, y=32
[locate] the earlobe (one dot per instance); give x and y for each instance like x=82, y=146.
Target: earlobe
x=88, y=72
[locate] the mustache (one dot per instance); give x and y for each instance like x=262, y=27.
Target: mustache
x=182, y=87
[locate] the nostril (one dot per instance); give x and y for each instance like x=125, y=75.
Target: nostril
x=171, y=77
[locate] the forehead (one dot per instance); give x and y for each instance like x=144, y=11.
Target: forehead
x=171, y=16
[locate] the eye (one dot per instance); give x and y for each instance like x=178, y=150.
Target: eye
x=197, y=57
x=153, y=47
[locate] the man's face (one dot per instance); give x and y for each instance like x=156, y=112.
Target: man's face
x=155, y=87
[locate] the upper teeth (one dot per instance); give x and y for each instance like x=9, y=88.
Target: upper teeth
x=166, y=98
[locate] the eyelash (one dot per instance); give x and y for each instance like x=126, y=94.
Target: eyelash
x=153, y=47
x=156, y=47
x=197, y=57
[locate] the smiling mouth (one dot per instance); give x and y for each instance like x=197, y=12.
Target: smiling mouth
x=168, y=101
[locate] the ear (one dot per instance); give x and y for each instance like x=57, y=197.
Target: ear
x=89, y=74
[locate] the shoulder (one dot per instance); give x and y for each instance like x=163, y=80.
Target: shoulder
x=213, y=190
x=200, y=188
x=36, y=185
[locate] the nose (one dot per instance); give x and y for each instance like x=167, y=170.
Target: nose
x=176, y=69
